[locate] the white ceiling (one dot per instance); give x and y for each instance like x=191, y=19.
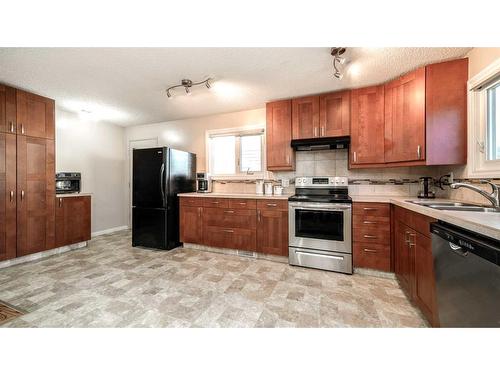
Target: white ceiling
x=126, y=86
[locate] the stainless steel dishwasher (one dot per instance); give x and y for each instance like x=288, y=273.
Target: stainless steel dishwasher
x=467, y=269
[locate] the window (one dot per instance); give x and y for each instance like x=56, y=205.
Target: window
x=236, y=152
x=484, y=123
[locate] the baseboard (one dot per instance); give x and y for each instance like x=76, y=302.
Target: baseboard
x=110, y=230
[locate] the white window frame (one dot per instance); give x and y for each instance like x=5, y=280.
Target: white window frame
x=477, y=164
x=245, y=130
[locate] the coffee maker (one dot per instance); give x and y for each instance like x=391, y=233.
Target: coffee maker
x=426, y=188
x=203, y=183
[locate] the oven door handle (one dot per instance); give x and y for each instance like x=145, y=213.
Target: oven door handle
x=319, y=255
x=339, y=208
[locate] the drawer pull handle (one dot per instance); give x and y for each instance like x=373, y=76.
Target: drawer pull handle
x=369, y=222
x=369, y=236
x=258, y=215
x=243, y=203
x=271, y=205
x=229, y=211
x=216, y=202
x=370, y=209
x=228, y=230
x=369, y=251
x=12, y=129
x=11, y=195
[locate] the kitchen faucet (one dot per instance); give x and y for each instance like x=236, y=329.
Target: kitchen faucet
x=493, y=197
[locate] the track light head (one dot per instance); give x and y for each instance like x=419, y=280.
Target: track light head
x=207, y=83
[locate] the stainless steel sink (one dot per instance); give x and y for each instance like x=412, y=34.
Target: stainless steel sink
x=455, y=206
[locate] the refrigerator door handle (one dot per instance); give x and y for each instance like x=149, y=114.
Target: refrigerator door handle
x=162, y=183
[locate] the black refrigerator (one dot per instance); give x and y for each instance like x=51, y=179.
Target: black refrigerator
x=158, y=175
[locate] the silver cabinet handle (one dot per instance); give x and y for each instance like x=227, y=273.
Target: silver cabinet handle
x=11, y=195
x=216, y=202
x=12, y=129
x=229, y=211
x=243, y=203
x=258, y=215
x=370, y=209
x=271, y=204
x=199, y=211
x=369, y=236
x=354, y=156
x=228, y=230
x=315, y=132
x=22, y=128
x=22, y=194
x=288, y=159
x=60, y=202
x=369, y=222
x=320, y=255
x=369, y=251
x=322, y=131
x=418, y=152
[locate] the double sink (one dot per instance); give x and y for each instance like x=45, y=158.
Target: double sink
x=455, y=206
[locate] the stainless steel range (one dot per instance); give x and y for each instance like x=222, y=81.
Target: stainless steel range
x=319, y=219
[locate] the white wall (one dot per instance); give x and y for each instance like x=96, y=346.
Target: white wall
x=95, y=149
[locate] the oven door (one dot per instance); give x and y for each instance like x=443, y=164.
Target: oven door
x=321, y=226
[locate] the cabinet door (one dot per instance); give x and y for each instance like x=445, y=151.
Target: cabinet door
x=7, y=109
x=405, y=118
x=335, y=114
x=424, y=293
x=367, y=125
x=305, y=117
x=402, y=253
x=35, y=195
x=7, y=196
x=272, y=232
x=191, y=224
x=35, y=115
x=72, y=220
x=280, y=156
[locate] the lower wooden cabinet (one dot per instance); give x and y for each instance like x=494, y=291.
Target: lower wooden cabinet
x=7, y=196
x=244, y=224
x=73, y=217
x=414, y=265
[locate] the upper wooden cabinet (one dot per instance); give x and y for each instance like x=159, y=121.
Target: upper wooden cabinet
x=35, y=195
x=305, y=117
x=7, y=109
x=405, y=118
x=334, y=114
x=35, y=115
x=446, y=112
x=367, y=125
x=280, y=155
x=7, y=196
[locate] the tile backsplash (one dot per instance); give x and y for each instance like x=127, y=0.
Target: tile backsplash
x=401, y=181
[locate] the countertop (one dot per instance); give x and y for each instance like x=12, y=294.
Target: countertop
x=73, y=195
x=235, y=195
x=485, y=223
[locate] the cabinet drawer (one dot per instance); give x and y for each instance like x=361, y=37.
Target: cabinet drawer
x=373, y=222
x=192, y=202
x=368, y=235
x=373, y=256
x=416, y=221
x=232, y=238
x=216, y=202
x=229, y=218
x=242, y=203
x=269, y=204
x=371, y=209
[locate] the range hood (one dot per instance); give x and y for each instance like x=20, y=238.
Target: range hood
x=314, y=144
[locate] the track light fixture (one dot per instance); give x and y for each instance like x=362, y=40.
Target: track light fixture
x=337, y=52
x=187, y=84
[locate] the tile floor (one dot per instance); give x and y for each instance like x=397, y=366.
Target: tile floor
x=111, y=284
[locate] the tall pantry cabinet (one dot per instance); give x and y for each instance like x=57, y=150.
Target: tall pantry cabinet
x=27, y=169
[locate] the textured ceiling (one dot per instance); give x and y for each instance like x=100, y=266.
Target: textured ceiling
x=127, y=86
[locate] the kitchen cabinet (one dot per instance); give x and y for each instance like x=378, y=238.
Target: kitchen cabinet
x=335, y=114
x=272, y=227
x=372, y=236
x=7, y=109
x=405, y=118
x=280, y=155
x=191, y=223
x=367, y=126
x=72, y=220
x=305, y=117
x=414, y=265
x=35, y=115
x=35, y=195
x=7, y=196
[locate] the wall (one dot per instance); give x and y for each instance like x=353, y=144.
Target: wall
x=95, y=149
x=480, y=58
